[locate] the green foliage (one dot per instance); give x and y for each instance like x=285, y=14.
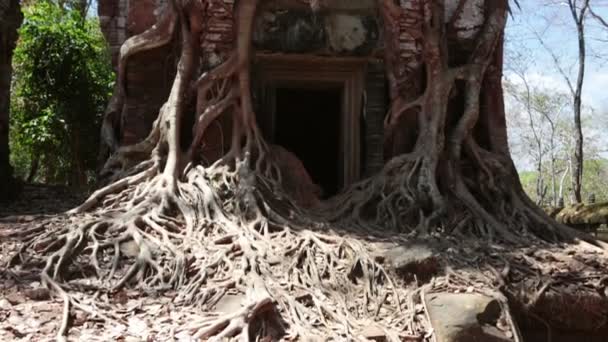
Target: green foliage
x=540, y=132
x=62, y=82
x=528, y=181
x=595, y=181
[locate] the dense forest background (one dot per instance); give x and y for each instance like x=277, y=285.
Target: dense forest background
x=61, y=84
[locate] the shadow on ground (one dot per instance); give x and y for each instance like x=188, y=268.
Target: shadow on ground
x=38, y=200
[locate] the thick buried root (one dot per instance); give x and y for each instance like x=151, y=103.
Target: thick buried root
x=404, y=198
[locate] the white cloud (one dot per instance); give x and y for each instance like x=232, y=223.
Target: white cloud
x=595, y=88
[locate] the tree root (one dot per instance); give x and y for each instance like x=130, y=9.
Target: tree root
x=217, y=234
x=238, y=323
x=234, y=247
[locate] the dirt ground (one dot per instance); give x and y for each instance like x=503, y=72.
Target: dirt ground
x=565, y=276
x=28, y=312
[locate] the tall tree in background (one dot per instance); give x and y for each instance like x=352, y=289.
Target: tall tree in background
x=539, y=127
x=578, y=9
x=601, y=20
x=526, y=97
x=10, y=20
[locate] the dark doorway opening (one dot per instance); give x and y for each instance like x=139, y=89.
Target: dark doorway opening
x=307, y=123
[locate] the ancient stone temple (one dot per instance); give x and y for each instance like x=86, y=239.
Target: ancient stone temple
x=258, y=170
x=319, y=73
x=150, y=73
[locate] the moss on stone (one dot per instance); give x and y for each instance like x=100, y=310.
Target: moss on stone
x=584, y=214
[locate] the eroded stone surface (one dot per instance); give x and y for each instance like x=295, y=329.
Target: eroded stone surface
x=415, y=259
x=466, y=317
x=297, y=31
x=295, y=179
x=346, y=32
x=374, y=333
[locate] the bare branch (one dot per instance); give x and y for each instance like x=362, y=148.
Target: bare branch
x=597, y=17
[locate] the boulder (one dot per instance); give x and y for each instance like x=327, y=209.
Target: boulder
x=413, y=259
x=466, y=317
x=295, y=179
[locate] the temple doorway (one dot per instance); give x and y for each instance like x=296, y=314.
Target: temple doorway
x=328, y=111
x=308, y=124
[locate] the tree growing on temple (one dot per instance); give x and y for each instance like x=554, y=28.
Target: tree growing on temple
x=205, y=230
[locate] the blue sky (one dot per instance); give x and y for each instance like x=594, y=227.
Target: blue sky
x=551, y=20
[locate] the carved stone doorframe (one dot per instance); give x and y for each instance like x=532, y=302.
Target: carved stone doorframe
x=273, y=71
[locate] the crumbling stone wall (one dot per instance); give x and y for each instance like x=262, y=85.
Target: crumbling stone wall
x=120, y=19
x=345, y=28
x=219, y=39
x=149, y=74
x=324, y=33
x=348, y=28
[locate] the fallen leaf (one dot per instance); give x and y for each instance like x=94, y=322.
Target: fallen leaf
x=120, y=297
x=373, y=332
x=117, y=330
x=80, y=318
x=138, y=327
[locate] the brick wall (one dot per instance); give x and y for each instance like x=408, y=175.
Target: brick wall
x=112, y=19
x=150, y=73
x=120, y=19
x=219, y=39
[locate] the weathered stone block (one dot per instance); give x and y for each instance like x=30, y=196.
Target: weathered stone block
x=466, y=317
x=289, y=31
x=415, y=259
x=347, y=33
x=141, y=16
x=294, y=31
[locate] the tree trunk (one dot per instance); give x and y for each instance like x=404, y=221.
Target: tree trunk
x=34, y=165
x=77, y=174
x=553, y=157
x=10, y=20
x=553, y=181
x=578, y=16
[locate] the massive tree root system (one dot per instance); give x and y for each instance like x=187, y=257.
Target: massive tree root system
x=229, y=230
